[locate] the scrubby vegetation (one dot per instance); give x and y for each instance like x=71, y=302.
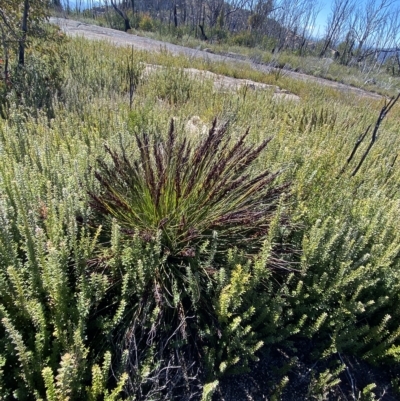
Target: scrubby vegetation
x=357, y=45
x=143, y=258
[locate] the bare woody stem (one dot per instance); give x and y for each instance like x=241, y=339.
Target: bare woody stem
x=385, y=110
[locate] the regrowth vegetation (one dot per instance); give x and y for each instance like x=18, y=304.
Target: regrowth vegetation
x=154, y=266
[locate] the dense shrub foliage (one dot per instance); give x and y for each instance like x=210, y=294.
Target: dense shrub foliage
x=138, y=262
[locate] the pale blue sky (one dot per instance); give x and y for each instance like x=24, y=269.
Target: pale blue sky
x=322, y=16
x=326, y=8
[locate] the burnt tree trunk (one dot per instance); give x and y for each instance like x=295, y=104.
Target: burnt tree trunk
x=122, y=15
x=175, y=17
x=24, y=29
x=5, y=51
x=203, y=35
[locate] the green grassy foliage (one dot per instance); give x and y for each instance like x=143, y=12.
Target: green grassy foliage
x=84, y=313
x=189, y=192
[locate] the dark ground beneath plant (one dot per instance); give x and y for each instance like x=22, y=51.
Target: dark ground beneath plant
x=302, y=369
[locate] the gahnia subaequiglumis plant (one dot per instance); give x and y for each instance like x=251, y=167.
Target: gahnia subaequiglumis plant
x=191, y=203
x=190, y=191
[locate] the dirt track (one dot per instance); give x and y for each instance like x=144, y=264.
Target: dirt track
x=119, y=38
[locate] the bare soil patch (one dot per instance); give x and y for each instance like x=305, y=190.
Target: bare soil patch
x=223, y=82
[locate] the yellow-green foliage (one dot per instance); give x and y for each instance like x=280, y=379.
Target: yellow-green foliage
x=146, y=23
